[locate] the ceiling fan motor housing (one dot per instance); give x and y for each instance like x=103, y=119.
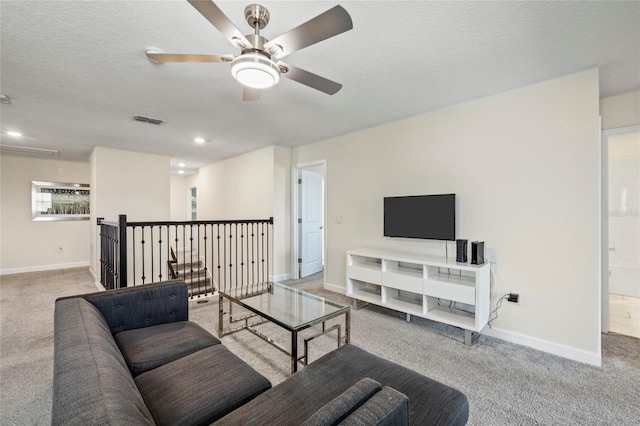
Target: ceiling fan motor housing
x=258, y=42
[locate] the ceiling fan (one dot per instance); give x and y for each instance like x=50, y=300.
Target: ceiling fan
x=259, y=65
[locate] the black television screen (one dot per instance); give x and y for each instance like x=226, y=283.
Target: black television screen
x=431, y=217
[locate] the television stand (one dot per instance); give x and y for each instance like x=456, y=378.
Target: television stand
x=429, y=287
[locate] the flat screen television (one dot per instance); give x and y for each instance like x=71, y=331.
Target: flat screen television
x=431, y=217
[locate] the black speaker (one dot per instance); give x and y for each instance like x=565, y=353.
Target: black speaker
x=477, y=252
x=461, y=251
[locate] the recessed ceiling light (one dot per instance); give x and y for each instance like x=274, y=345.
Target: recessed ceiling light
x=181, y=164
x=199, y=140
x=181, y=172
x=14, y=134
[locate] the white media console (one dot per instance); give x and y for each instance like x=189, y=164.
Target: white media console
x=425, y=286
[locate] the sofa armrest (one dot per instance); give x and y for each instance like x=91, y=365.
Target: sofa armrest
x=142, y=306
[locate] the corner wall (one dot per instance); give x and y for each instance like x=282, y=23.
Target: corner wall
x=179, y=197
x=131, y=183
x=620, y=111
x=27, y=246
x=251, y=186
x=524, y=166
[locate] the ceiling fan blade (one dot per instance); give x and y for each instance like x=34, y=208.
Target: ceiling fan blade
x=326, y=25
x=213, y=14
x=309, y=79
x=250, y=94
x=179, y=57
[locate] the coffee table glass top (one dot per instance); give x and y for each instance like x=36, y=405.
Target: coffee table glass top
x=288, y=307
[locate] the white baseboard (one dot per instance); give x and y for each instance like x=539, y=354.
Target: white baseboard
x=591, y=358
x=39, y=268
x=564, y=351
x=96, y=280
x=283, y=277
x=335, y=288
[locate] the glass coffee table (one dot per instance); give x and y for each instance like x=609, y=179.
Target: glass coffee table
x=292, y=309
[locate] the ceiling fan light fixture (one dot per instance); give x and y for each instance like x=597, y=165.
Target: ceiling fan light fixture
x=255, y=70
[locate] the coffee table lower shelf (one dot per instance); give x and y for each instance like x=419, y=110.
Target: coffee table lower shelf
x=264, y=316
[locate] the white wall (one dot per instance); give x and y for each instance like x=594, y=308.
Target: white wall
x=130, y=183
x=524, y=166
x=621, y=110
x=251, y=186
x=238, y=188
x=179, y=197
x=32, y=246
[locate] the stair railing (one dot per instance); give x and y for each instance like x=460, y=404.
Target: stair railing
x=208, y=255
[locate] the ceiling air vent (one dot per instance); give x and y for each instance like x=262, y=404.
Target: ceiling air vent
x=149, y=120
x=25, y=150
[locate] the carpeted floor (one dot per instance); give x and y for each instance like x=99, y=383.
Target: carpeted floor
x=506, y=384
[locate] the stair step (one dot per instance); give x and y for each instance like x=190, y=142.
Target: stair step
x=201, y=286
x=188, y=270
x=188, y=266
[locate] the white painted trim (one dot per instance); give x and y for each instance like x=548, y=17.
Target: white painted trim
x=95, y=277
x=621, y=131
x=592, y=358
x=96, y=280
x=295, y=174
x=335, y=288
x=39, y=268
x=601, y=214
x=604, y=220
x=282, y=277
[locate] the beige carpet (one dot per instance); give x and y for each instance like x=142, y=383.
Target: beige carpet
x=506, y=384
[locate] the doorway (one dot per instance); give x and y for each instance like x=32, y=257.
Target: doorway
x=308, y=212
x=621, y=231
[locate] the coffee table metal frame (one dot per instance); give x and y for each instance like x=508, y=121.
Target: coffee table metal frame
x=267, y=290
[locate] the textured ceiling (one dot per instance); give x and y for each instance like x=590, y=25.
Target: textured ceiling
x=76, y=71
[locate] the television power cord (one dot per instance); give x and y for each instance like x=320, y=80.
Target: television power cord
x=495, y=311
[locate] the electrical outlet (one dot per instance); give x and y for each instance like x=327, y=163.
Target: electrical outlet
x=515, y=298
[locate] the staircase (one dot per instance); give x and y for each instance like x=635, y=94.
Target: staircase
x=189, y=267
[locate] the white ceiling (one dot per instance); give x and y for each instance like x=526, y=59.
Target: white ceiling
x=76, y=71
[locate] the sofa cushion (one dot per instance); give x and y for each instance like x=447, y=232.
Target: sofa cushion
x=385, y=408
x=199, y=388
x=142, y=306
x=150, y=347
x=91, y=381
x=366, y=403
x=294, y=400
x=336, y=410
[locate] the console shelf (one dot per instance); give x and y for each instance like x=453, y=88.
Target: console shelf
x=426, y=286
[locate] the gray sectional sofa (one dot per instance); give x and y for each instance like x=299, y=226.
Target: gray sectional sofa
x=132, y=357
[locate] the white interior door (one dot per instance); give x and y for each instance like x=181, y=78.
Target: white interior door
x=311, y=228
